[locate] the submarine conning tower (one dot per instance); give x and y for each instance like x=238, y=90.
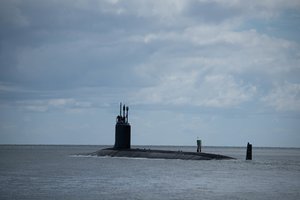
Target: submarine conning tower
x=122, y=131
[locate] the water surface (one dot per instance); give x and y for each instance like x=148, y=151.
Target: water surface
x=53, y=172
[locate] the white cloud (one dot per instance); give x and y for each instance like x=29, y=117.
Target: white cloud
x=66, y=104
x=36, y=108
x=219, y=49
x=211, y=35
x=285, y=97
x=60, y=102
x=190, y=88
x=259, y=9
x=209, y=73
x=224, y=91
x=4, y=87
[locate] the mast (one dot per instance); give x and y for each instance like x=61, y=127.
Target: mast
x=127, y=114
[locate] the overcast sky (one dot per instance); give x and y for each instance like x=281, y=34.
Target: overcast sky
x=227, y=72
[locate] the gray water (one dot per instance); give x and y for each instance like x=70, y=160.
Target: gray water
x=54, y=172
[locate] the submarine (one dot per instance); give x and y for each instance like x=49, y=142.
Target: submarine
x=122, y=146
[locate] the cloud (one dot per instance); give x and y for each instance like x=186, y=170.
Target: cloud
x=144, y=45
x=4, y=87
x=179, y=58
x=219, y=11
x=213, y=66
x=219, y=91
x=68, y=104
x=285, y=97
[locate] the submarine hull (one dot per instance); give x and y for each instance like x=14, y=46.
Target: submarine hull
x=158, y=154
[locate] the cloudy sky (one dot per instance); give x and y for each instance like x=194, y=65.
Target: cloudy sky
x=227, y=72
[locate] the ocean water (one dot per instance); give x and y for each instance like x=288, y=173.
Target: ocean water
x=55, y=172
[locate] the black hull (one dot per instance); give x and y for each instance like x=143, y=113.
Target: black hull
x=158, y=154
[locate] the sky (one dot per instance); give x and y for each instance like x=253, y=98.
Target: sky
x=226, y=72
